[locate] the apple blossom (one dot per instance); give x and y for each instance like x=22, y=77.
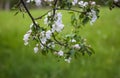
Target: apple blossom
x=76, y=46
x=73, y=40
x=60, y=53
x=74, y=2
x=38, y=2
x=48, y=34
x=68, y=60
x=93, y=17
x=36, y=48
x=26, y=37
x=83, y=4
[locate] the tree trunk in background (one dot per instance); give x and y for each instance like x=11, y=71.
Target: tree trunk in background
x=1, y=4
x=7, y=5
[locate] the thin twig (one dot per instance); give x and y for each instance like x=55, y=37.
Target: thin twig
x=62, y=44
x=46, y=46
x=43, y=15
x=69, y=10
x=18, y=4
x=54, y=9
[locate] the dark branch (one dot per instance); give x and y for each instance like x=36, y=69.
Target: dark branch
x=62, y=44
x=28, y=12
x=54, y=11
x=18, y=4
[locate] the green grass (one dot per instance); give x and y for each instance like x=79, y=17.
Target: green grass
x=19, y=61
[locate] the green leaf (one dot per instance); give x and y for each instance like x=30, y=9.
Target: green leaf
x=16, y=13
x=72, y=52
x=85, y=20
x=69, y=5
x=44, y=52
x=76, y=55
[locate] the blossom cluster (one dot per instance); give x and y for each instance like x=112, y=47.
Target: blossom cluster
x=85, y=5
x=48, y=37
x=57, y=24
x=93, y=16
x=26, y=37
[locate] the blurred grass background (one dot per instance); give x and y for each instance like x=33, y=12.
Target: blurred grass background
x=19, y=61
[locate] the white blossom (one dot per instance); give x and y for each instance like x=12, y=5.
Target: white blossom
x=68, y=59
x=93, y=3
x=43, y=40
x=46, y=20
x=43, y=37
x=31, y=25
x=116, y=1
x=42, y=33
x=77, y=46
x=73, y=40
x=30, y=31
x=59, y=17
x=26, y=37
x=60, y=53
x=38, y=2
x=28, y=1
x=49, y=0
x=49, y=14
x=36, y=48
x=58, y=25
x=83, y=4
x=48, y=34
x=74, y=2
x=93, y=17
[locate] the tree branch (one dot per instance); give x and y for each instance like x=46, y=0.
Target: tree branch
x=28, y=12
x=43, y=15
x=69, y=10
